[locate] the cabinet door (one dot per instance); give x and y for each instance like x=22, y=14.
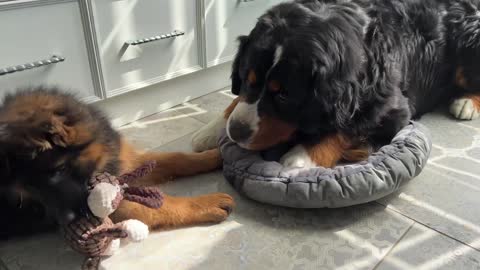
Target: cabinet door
x=145, y=42
x=225, y=20
x=32, y=36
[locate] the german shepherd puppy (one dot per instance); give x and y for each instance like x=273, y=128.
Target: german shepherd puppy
x=51, y=144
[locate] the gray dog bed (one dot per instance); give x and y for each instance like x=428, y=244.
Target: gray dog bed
x=384, y=172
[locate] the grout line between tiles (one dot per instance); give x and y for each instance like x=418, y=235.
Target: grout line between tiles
x=216, y=91
x=193, y=117
x=199, y=120
x=212, y=93
x=153, y=149
x=146, y=116
x=428, y=226
x=184, y=116
x=179, y=138
x=394, y=245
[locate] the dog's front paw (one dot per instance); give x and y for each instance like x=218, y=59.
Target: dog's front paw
x=297, y=157
x=214, y=208
x=465, y=109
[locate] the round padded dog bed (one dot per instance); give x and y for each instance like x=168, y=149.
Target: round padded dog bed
x=384, y=172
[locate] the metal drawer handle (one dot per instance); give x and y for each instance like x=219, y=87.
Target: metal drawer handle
x=52, y=60
x=247, y=0
x=155, y=38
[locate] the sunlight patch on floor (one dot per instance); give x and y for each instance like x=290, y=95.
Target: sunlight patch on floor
x=438, y=211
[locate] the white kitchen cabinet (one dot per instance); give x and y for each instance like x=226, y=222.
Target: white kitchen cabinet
x=138, y=43
x=225, y=20
x=32, y=35
x=98, y=49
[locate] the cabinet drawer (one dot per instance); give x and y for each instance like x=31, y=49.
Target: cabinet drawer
x=34, y=33
x=127, y=67
x=225, y=20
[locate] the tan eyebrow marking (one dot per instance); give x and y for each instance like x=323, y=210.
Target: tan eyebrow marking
x=252, y=77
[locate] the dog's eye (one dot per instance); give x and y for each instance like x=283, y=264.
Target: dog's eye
x=60, y=167
x=274, y=86
x=60, y=112
x=282, y=96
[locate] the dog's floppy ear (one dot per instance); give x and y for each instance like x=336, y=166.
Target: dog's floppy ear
x=339, y=97
x=347, y=102
x=236, y=80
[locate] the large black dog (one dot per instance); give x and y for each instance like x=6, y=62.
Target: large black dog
x=336, y=77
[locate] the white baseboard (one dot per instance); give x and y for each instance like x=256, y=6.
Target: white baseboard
x=140, y=103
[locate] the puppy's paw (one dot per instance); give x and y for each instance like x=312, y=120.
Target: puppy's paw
x=206, y=138
x=465, y=109
x=214, y=208
x=297, y=157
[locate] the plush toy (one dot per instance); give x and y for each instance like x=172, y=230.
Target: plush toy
x=95, y=235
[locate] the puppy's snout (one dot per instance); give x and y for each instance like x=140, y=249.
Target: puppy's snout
x=67, y=196
x=239, y=132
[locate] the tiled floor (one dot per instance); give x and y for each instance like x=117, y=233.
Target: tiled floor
x=433, y=223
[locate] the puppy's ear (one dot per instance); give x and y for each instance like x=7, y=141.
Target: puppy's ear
x=3, y=131
x=65, y=131
x=59, y=132
x=39, y=134
x=26, y=135
x=236, y=80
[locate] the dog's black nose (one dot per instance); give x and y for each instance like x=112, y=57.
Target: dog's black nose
x=238, y=131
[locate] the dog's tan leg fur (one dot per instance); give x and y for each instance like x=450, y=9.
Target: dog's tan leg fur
x=178, y=211
x=334, y=148
x=175, y=211
x=170, y=165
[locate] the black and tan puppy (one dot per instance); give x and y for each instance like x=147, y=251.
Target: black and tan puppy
x=336, y=77
x=51, y=144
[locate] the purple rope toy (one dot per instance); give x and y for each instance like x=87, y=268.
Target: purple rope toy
x=96, y=237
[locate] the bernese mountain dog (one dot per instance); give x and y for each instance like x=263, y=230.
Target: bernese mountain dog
x=51, y=144
x=335, y=79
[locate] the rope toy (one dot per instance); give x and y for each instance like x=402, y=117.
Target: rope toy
x=95, y=235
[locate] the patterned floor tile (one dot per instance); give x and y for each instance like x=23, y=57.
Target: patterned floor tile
x=425, y=249
x=207, y=107
x=42, y=252
x=445, y=195
x=3, y=265
x=182, y=144
x=443, y=200
x=158, y=129
x=448, y=132
x=258, y=236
